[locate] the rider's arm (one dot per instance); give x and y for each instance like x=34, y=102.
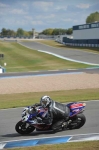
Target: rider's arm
x=35, y=105
x=33, y=108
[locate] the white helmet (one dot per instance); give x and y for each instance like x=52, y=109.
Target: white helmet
x=45, y=101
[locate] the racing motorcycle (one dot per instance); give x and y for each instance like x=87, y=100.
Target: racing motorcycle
x=32, y=121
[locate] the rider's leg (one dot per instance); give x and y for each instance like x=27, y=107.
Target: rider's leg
x=47, y=121
x=57, y=125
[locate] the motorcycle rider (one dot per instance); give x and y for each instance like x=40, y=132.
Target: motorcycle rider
x=57, y=112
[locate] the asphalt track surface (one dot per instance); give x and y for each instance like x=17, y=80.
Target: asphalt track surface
x=78, y=55
x=9, y=117
x=17, y=74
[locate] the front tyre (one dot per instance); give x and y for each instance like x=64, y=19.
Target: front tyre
x=77, y=121
x=21, y=128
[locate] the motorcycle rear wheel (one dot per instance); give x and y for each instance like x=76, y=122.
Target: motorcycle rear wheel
x=21, y=128
x=77, y=121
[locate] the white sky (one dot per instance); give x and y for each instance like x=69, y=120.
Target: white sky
x=43, y=14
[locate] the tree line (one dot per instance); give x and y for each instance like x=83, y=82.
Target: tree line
x=22, y=33
x=57, y=31
x=19, y=33
x=93, y=17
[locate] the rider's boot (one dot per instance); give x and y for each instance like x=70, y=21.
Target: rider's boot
x=57, y=126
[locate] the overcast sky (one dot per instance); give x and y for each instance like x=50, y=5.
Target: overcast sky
x=43, y=14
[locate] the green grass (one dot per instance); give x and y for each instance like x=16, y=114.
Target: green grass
x=22, y=59
x=26, y=99
x=89, y=145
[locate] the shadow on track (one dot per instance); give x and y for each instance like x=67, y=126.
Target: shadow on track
x=28, y=135
x=35, y=133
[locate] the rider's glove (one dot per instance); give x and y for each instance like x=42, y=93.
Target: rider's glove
x=32, y=110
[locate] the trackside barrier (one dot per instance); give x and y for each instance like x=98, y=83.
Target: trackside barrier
x=83, y=45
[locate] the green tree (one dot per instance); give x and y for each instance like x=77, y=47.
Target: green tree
x=59, y=31
x=10, y=33
x=3, y=32
x=30, y=33
x=69, y=31
x=54, y=31
x=92, y=17
x=20, y=32
x=47, y=31
x=26, y=34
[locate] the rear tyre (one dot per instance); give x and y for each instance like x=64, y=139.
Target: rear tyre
x=77, y=121
x=22, y=129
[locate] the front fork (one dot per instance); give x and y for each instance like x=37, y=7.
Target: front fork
x=25, y=124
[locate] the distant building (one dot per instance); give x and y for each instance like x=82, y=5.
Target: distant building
x=43, y=36
x=86, y=31
x=84, y=35
x=60, y=38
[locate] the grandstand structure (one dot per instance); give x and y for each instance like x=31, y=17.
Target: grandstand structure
x=86, y=35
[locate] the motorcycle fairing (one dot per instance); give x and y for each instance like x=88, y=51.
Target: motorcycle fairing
x=76, y=108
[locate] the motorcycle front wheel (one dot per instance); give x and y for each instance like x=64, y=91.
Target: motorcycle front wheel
x=21, y=128
x=77, y=121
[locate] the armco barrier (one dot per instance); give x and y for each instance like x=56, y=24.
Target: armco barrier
x=82, y=45
x=49, y=140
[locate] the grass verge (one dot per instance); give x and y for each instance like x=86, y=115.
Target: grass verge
x=22, y=59
x=90, y=145
x=26, y=99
